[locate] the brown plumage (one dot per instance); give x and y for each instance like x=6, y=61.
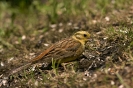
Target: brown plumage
x=63, y=51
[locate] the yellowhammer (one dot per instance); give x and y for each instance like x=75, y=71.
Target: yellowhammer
x=63, y=51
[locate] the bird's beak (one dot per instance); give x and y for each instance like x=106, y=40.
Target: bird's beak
x=89, y=40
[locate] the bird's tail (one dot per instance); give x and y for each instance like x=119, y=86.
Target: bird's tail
x=19, y=68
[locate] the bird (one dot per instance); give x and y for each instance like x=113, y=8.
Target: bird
x=63, y=51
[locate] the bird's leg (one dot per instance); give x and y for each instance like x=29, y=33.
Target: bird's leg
x=69, y=66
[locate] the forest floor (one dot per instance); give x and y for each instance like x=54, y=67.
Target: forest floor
x=108, y=58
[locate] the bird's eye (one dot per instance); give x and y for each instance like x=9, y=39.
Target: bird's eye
x=85, y=35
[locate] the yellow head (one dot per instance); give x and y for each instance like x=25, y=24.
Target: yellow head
x=81, y=36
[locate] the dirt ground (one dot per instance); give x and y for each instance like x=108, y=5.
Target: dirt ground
x=106, y=63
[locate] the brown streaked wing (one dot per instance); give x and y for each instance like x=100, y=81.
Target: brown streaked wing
x=62, y=49
x=40, y=56
x=46, y=53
